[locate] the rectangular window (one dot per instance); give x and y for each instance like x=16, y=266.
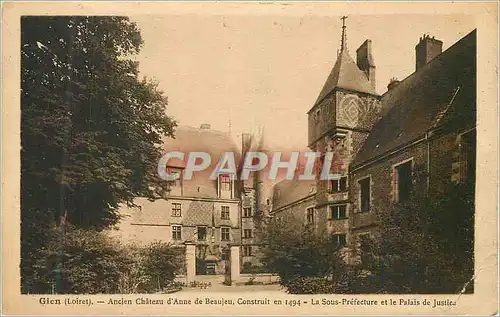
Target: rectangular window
x=364, y=189
x=174, y=172
x=224, y=213
x=247, y=233
x=403, y=181
x=224, y=234
x=225, y=182
x=310, y=215
x=247, y=212
x=338, y=185
x=202, y=233
x=338, y=212
x=176, y=232
x=339, y=239
x=176, y=210
x=468, y=156
x=247, y=250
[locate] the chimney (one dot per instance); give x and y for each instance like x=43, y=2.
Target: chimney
x=365, y=62
x=246, y=141
x=205, y=126
x=426, y=50
x=392, y=83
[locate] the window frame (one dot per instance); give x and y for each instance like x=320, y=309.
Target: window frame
x=225, y=210
x=220, y=191
x=463, y=156
x=177, y=182
x=360, y=193
x=330, y=212
x=337, y=235
x=222, y=233
x=395, y=177
x=338, y=182
x=247, y=250
x=174, y=209
x=175, y=232
x=250, y=215
x=245, y=231
x=225, y=181
x=198, y=233
x=313, y=208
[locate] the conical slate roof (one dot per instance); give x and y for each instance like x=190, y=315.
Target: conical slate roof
x=346, y=74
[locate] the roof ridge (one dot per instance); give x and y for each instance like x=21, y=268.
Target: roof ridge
x=434, y=60
x=201, y=129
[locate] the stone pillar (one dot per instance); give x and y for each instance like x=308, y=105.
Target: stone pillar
x=190, y=261
x=235, y=262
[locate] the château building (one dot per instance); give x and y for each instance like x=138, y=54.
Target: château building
x=200, y=210
x=426, y=120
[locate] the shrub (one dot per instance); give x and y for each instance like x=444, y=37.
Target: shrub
x=90, y=262
x=158, y=262
x=293, y=250
x=310, y=285
x=425, y=244
x=247, y=268
x=84, y=262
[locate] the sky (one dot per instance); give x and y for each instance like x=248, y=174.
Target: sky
x=240, y=73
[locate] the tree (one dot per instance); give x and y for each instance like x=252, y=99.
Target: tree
x=305, y=259
x=89, y=261
x=90, y=128
x=425, y=244
x=159, y=262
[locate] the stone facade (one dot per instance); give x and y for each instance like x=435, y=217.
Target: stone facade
x=153, y=221
x=250, y=244
x=201, y=211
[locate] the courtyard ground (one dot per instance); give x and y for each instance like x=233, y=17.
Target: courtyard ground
x=214, y=283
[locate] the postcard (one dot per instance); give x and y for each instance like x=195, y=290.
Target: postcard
x=246, y=158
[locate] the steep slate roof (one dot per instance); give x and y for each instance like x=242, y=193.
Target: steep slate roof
x=418, y=102
x=189, y=139
x=346, y=74
x=289, y=191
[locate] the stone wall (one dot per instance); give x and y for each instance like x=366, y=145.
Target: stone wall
x=297, y=211
x=440, y=150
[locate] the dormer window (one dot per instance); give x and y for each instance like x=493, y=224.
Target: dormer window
x=174, y=186
x=175, y=173
x=225, y=182
x=225, y=186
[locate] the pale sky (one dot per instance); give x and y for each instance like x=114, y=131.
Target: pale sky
x=267, y=70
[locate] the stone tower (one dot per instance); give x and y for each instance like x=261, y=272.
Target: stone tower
x=339, y=122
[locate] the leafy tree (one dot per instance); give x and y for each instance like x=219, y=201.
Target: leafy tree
x=298, y=252
x=159, y=262
x=423, y=245
x=90, y=262
x=90, y=128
